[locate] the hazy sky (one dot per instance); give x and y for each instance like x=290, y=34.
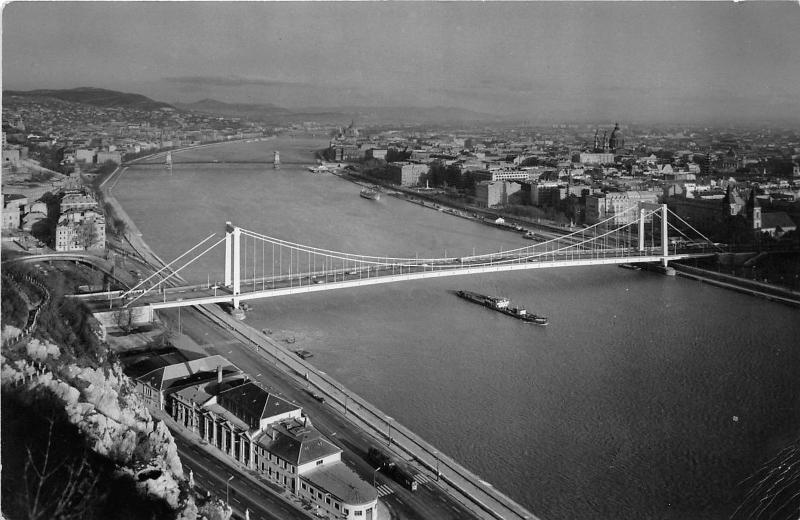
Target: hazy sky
x=635, y=61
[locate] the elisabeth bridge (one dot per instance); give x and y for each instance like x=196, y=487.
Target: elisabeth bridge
x=260, y=266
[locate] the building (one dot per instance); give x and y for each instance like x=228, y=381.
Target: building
x=13, y=208
x=11, y=155
x=710, y=211
x=86, y=155
x=407, y=173
x=547, y=194
x=777, y=223
x=154, y=376
x=596, y=158
x=81, y=230
x=77, y=200
x=377, y=153
x=113, y=156
x=503, y=175
x=494, y=193
x=260, y=430
x=618, y=206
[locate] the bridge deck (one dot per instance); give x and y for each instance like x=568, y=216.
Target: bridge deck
x=308, y=283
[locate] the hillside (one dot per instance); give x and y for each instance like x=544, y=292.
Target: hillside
x=95, y=96
x=363, y=114
x=412, y=115
x=244, y=110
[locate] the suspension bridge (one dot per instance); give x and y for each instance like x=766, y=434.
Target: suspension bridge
x=260, y=266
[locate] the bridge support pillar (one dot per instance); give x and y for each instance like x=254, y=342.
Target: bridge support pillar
x=641, y=229
x=228, y=254
x=664, y=236
x=233, y=264
x=237, y=266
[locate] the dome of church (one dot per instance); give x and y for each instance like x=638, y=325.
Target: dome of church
x=616, y=140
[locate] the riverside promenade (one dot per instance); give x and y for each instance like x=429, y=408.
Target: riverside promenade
x=469, y=489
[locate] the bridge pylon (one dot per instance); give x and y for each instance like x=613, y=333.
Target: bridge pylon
x=649, y=206
x=233, y=278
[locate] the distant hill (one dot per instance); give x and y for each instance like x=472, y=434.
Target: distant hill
x=244, y=110
x=364, y=115
x=95, y=96
x=413, y=115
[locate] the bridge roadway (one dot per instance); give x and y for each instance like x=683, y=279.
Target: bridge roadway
x=340, y=279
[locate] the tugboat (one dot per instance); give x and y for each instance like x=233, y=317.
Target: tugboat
x=501, y=304
x=370, y=194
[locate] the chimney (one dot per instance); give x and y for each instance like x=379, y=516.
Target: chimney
x=219, y=374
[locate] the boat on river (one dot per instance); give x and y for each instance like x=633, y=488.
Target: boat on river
x=501, y=304
x=371, y=194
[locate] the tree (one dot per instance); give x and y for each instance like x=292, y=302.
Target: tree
x=87, y=234
x=55, y=485
x=123, y=318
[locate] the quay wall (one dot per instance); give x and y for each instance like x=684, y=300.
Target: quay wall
x=752, y=287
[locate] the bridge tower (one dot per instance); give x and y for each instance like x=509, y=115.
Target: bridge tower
x=233, y=253
x=649, y=206
x=168, y=162
x=276, y=161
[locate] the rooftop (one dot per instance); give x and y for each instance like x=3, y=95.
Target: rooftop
x=341, y=482
x=299, y=444
x=183, y=373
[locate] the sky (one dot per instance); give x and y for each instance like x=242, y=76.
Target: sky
x=634, y=61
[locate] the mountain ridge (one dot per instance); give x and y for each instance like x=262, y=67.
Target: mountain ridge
x=95, y=96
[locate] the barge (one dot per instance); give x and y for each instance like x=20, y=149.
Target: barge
x=500, y=304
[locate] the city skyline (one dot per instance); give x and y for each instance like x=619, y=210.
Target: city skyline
x=660, y=62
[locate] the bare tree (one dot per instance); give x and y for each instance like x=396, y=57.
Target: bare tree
x=65, y=488
x=87, y=234
x=123, y=318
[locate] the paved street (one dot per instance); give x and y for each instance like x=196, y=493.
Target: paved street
x=210, y=474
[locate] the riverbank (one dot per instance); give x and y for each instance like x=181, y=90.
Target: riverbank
x=742, y=285
x=459, y=483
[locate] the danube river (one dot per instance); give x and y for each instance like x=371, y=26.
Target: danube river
x=646, y=397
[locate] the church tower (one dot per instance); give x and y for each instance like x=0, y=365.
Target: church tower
x=754, y=210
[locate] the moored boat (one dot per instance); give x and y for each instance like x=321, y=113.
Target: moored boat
x=370, y=194
x=501, y=304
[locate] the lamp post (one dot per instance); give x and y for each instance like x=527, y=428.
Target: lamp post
x=227, y=491
x=374, y=475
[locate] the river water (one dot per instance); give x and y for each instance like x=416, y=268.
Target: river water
x=646, y=396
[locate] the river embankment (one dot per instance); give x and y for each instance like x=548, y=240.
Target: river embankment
x=752, y=287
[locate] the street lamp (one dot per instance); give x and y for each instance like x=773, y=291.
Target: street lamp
x=374, y=474
x=227, y=490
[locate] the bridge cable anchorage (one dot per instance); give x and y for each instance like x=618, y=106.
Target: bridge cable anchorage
x=176, y=271
x=166, y=266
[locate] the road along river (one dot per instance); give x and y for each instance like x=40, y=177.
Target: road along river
x=645, y=397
